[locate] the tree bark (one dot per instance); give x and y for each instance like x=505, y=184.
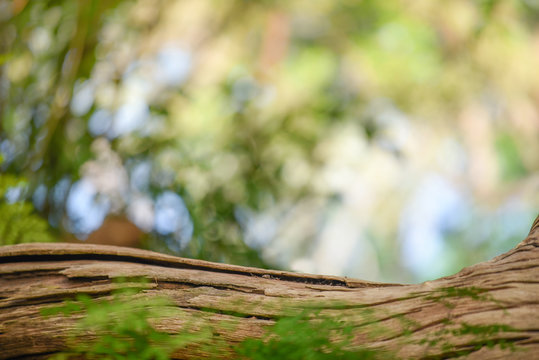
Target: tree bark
x=500, y=296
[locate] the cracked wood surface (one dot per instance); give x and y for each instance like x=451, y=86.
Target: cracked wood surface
x=502, y=291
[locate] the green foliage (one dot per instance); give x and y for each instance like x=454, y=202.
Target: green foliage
x=308, y=335
x=509, y=157
x=123, y=327
x=270, y=127
x=18, y=221
x=123, y=330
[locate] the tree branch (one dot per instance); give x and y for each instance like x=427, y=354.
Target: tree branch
x=476, y=312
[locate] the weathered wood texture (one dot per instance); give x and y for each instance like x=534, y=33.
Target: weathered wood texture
x=504, y=290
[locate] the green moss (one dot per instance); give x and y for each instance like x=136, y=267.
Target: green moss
x=446, y=294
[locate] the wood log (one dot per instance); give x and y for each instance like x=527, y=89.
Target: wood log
x=497, y=299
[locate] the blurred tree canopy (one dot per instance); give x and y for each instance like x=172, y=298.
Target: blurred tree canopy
x=393, y=140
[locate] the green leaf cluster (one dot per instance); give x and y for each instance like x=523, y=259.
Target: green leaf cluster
x=19, y=222
x=308, y=335
x=123, y=327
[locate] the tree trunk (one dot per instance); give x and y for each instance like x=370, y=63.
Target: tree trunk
x=474, y=312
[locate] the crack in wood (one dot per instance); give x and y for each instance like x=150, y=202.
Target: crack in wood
x=147, y=261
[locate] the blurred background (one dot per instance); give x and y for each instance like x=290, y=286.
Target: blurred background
x=383, y=140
